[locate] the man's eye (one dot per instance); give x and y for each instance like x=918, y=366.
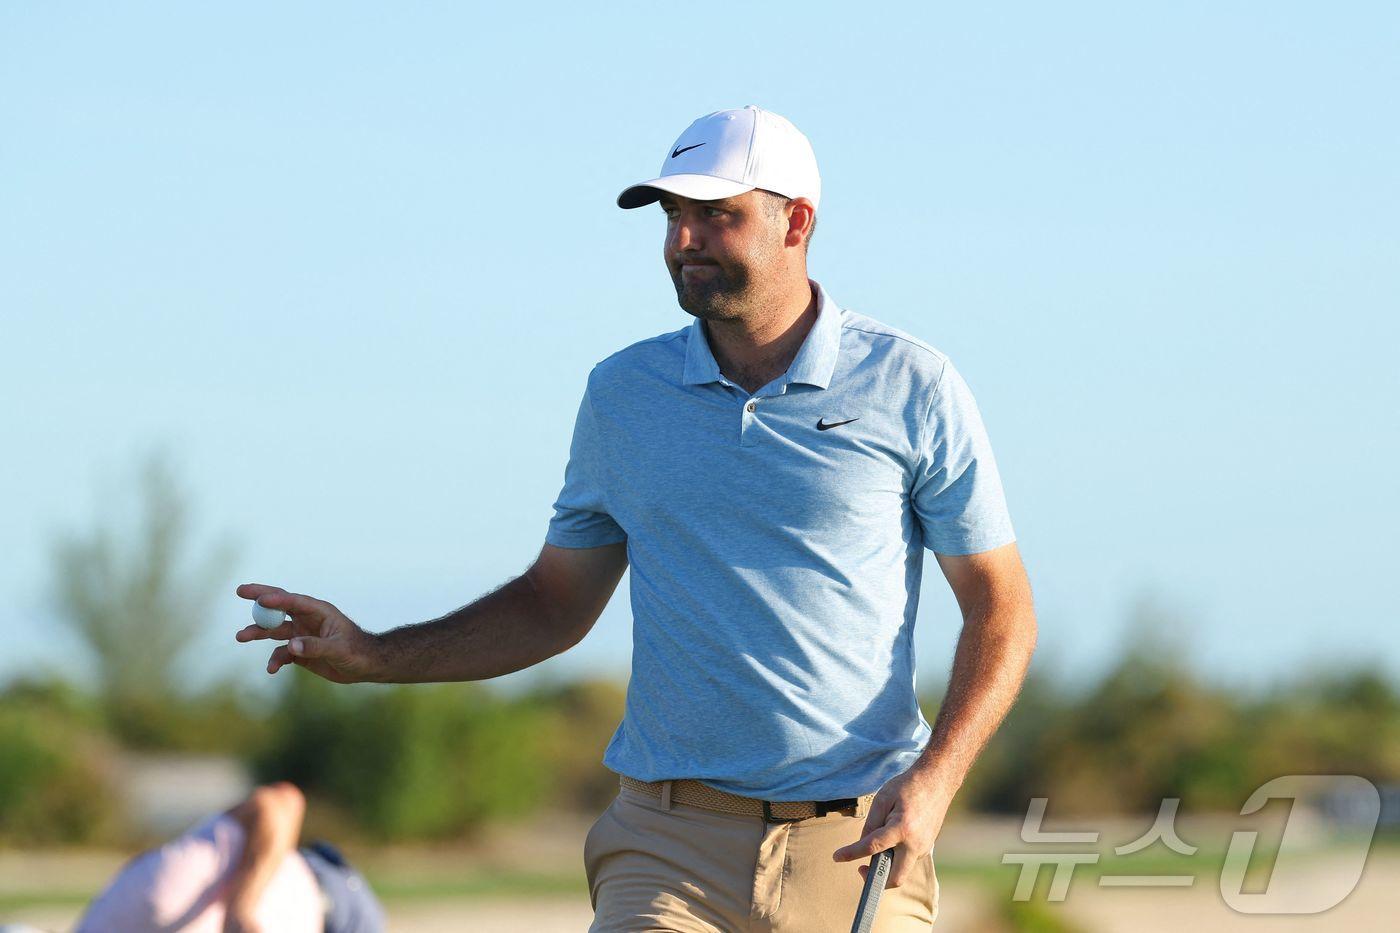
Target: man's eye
x=671, y=212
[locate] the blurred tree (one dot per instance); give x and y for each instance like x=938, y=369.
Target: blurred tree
x=584, y=716
x=133, y=605
x=52, y=785
x=55, y=696
x=1146, y=730
x=1326, y=722
x=426, y=761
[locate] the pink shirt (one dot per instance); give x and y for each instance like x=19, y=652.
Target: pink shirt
x=183, y=884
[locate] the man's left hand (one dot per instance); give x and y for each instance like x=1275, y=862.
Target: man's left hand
x=905, y=815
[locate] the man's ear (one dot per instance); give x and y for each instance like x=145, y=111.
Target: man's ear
x=800, y=217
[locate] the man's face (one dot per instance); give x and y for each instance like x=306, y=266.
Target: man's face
x=722, y=253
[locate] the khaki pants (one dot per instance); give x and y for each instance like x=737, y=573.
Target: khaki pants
x=689, y=869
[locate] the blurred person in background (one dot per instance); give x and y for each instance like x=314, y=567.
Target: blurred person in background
x=239, y=871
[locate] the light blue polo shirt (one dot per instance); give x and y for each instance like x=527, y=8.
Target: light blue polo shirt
x=775, y=543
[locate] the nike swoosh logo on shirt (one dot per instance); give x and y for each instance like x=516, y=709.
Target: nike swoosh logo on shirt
x=822, y=424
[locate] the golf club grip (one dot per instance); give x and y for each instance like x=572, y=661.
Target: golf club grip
x=875, y=878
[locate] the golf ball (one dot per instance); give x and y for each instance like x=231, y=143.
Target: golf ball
x=267, y=618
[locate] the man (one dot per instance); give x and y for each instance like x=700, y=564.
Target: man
x=771, y=474
x=239, y=871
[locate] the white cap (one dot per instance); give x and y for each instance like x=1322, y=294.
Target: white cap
x=729, y=152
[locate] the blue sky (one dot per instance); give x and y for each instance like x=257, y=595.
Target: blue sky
x=352, y=264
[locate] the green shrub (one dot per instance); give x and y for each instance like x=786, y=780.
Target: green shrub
x=583, y=717
x=215, y=721
x=411, y=762
x=51, y=785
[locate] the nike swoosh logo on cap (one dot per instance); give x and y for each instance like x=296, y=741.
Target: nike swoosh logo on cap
x=686, y=149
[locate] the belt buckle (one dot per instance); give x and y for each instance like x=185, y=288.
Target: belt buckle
x=768, y=816
x=831, y=806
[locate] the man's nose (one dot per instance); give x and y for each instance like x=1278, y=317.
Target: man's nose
x=687, y=237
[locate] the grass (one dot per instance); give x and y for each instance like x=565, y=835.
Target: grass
x=1033, y=915
x=26, y=899
x=388, y=887
x=481, y=884
x=402, y=886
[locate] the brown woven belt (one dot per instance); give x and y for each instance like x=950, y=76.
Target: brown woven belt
x=697, y=794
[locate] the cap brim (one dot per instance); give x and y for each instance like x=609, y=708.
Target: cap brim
x=695, y=187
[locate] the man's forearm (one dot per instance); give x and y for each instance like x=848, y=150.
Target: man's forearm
x=989, y=666
x=506, y=630
x=271, y=819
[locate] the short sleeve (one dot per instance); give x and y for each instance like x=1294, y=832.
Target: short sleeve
x=580, y=517
x=957, y=493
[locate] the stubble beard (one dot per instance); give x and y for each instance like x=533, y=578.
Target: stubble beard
x=715, y=294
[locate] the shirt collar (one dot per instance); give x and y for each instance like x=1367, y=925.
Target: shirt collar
x=815, y=360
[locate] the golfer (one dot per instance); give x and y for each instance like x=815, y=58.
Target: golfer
x=771, y=473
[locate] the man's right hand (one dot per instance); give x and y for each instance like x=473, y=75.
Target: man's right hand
x=319, y=636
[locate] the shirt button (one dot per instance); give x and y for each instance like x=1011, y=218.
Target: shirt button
x=750, y=406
